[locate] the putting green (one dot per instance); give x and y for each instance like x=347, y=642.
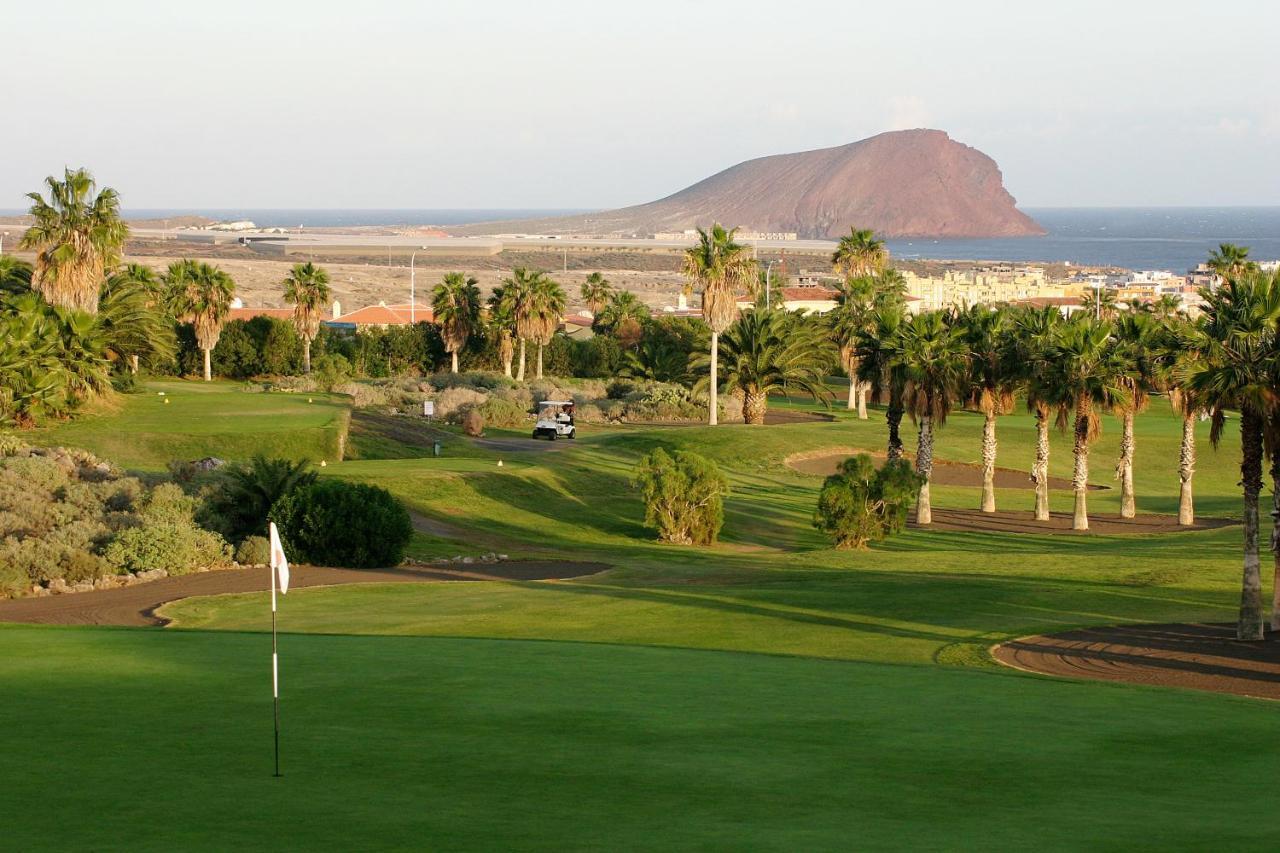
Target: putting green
x=137, y=739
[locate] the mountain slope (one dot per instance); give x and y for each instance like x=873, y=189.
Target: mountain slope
x=909, y=183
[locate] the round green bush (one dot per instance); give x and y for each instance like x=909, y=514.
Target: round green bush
x=253, y=551
x=334, y=523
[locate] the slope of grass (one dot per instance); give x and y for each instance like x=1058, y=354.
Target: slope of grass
x=150, y=740
x=142, y=431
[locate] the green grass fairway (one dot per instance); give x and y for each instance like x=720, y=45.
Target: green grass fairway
x=150, y=740
x=205, y=419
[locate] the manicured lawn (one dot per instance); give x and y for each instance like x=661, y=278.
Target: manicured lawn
x=134, y=739
x=221, y=419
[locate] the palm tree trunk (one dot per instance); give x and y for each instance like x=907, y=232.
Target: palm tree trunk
x=1124, y=469
x=1249, y=626
x=713, y=414
x=1080, y=476
x=893, y=417
x=1275, y=542
x=208, y=367
x=853, y=393
x=306, y=355
x=754, y=406
x=989, y=462
x=1040, y=468
x=520, y=371
x=1186, y=468
x=133, y=365
x=924, y=467
x=539, y=360
x=862, y=401
x=454, y=366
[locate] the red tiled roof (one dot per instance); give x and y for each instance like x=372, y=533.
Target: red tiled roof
x=809, y=294
x=576, y=320
x=250, y=313
x=386, y=315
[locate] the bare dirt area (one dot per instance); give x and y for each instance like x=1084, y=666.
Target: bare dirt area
x=945, y=473
x=1024, y=521
x=1199, y=657
x=136, y=605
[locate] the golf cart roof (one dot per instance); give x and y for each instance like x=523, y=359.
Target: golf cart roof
x=546, y=403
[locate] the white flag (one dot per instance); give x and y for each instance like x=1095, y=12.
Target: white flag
x=278, y=561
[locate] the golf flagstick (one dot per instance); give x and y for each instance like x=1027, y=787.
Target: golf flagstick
x=278, y=564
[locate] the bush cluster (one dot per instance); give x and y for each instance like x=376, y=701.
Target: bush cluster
x=683, y=496
x=859, y=504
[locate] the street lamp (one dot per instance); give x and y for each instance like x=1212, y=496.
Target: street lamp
x=768, y=269
x=413, y=315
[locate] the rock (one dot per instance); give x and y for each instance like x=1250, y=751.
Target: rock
x=502, y=557
x=468, y=560
x=58, y=585
x=83, y=586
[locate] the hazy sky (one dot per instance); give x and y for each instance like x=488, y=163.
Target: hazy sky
x=577, y=104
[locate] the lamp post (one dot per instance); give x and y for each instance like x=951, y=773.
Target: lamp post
x=413, y=316
x=768, y=270
x=2, y=236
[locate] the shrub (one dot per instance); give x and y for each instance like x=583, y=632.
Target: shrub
x=618, y=389
x=241, y=504
x=859, y=504
x=335, y=523
x=473, y=423
x=254, y=551
x=451, y=402
x=175, y=547
x=502, y=412
x=683, y=496
x=330, y=370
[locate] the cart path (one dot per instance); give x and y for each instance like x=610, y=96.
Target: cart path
x=1195, y=656
x=136, y=605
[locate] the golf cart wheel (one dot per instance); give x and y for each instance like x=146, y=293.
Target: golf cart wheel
x=573, y=435
x=552, y=436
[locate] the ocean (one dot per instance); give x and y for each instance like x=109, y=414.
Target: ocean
x=1165, y=238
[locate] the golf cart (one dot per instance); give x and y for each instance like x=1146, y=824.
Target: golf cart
x=555, y=420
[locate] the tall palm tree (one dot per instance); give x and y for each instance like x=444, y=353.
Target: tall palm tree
x=544, y=309
x=991, y=380
x=721, y=268
x=768, y=351
x=935, y=358
x=877, y=350
x=201, y=294
x=1083, y=365
x=596, y=292
x=854, y=307
x=307, y=289
x=77, y=236
x=859, y=253
x=1229, y=261
x=134, y=318
x=1240, y=342
x=1036, y=328
x=456, y=305
x=502, y=322
x=1136, y=349
x=517, y=295
x=1179, y=354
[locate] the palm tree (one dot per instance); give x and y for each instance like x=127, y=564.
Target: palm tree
x=200, y=294
x=15, y=275
x=1237, y=372
x=991, y=380
x=1136, y=349
x=307, y=289
x=1179, y=354
x=859, y=253
x=657, y=359
x=517, y=293
x=1167, y=307
x=877, y=351
x=622, y=316
x=1229, y=261
x=936, y=361
x=456, y=305
x=76, y=236
x=596, y=292
x=854, y=307
x=1036, y=328
x=251, y=490
x=132, y=314
x=544, y=309
x=767, y=351
x=721, y=268
x=1100, y=304
x=1082, y=364
x=502, y=321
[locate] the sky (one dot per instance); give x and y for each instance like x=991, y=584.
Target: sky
x=549, y=104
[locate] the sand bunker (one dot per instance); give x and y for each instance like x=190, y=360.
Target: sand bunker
x=824, y=463
x=1199, y=657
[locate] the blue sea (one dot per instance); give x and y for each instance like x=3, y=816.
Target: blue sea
x=1161, y=238
x=1169, y=238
